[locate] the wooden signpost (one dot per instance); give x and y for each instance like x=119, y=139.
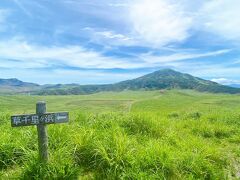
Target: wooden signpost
x=40, y=119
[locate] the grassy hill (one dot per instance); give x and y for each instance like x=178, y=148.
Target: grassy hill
x=171, y=134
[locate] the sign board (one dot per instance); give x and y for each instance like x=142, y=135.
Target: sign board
x=41, y=119
x=35, y=119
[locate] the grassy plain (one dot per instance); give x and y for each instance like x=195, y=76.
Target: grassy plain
x=126, y=135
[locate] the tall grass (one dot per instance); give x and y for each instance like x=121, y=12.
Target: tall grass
x=191, y=142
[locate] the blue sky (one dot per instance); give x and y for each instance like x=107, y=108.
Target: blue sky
x=94, y=42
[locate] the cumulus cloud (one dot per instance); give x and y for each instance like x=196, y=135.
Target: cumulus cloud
x=159, y=22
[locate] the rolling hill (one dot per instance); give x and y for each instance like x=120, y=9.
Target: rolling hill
x=162, y=79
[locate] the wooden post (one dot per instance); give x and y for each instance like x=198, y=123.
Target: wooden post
x=42, y=134
x=41, y=119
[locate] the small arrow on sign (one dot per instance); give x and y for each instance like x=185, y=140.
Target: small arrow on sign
x=61, y=118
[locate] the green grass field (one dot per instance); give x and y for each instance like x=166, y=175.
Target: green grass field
x=127, y=135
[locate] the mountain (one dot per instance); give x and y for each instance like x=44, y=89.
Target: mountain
x=162, y=79
x=15, y=82
x=9, y=86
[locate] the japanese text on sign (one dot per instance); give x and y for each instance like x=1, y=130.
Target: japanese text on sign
x=33, y=119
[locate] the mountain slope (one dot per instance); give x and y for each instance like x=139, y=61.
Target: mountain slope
x=170, y=79
x=8, y=86
x=162, y=79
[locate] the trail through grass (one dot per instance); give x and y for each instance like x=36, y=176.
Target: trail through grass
x=166, y=135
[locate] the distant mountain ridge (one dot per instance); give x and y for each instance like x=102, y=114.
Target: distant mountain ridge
x=15, y=82
x=234, y=85
x=162, y=79
x=13, y=85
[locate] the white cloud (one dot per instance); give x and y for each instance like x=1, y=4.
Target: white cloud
x=111, y=35
x=226, y=81
x=222, y=17
x=163, y=22
x=181, y=56
x=18, y=53
x=159, y=22
x=32, y=56
x=108, y=37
